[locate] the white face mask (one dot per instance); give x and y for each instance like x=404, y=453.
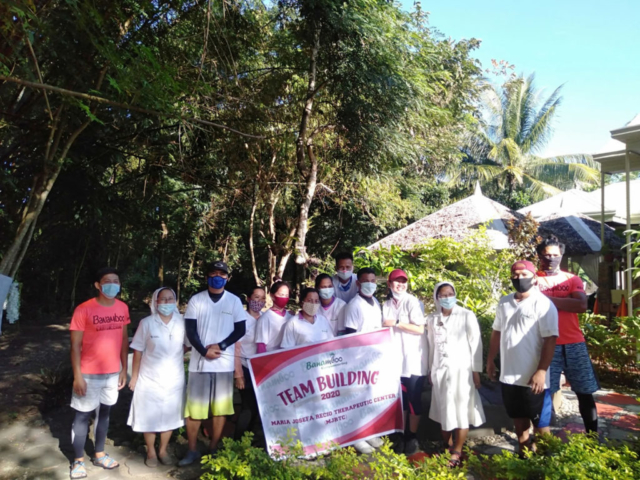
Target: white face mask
x=345, y=274
x=368, y=288
x=398, y=295
x=310, y=308
x=326, y=293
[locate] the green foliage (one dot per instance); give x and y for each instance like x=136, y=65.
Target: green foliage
x=612, y=343
x=239, y=459
x=479, y=273
x=158, y=195
x=582, y=458
x=635, y=255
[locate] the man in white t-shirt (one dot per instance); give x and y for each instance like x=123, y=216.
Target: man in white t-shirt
x=214, y=322
x=345, y=281
x=525, y=331
x=363, y=314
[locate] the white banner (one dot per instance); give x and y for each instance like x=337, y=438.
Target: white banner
x=336, y=392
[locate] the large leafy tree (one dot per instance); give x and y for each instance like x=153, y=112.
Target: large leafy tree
x=504, y=150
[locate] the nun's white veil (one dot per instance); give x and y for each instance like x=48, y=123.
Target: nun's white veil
x=154, y=299
x=435, y=294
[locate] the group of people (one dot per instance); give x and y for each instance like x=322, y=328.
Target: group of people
x=536, y=332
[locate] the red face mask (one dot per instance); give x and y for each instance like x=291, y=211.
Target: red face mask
x=281, y=302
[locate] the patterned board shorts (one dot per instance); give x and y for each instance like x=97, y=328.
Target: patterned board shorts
x=573, y=359
x=209, y=392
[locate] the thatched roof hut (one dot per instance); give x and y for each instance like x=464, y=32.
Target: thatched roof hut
x=579, y=233
x=456, y=221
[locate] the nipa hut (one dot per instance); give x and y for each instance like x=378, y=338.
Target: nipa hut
x=456, y=221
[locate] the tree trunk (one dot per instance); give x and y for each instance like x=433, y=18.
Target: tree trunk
x=76, y=275
x=43, y=184
x=42, y=188
x=303, y=145
x=179, y=277
x=252, y=217
x=272, y=254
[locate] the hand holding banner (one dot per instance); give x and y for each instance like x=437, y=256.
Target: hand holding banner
x=336, y=392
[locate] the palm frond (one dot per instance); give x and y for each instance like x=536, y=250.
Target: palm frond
x=540, y=130
x=509, y=152
x=569, y=171
x=468, y=173
x=540, y=189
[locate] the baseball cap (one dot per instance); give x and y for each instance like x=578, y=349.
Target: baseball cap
x=218, y=265
x=396, y=274
x=523, y=265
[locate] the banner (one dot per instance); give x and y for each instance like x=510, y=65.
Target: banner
x=335, y=392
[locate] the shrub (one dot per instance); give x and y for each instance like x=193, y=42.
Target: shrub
x=581, y=458
x=479, y=273
x=239, y=460
x=614, y=343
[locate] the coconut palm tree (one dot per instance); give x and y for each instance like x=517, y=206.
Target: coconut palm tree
x=505, y=147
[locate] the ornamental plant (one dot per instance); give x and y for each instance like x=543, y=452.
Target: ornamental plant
x=479, y=273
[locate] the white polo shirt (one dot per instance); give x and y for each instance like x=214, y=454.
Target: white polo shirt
x=523, y=326
x=215, y=323
x=248, y=346
x=335, y=314
x=410, y=347
x=345, y=292
x=361, y=316
x=298, y=331
x=270, y=329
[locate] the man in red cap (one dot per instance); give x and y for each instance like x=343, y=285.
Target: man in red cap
x=525, y=331
x=403, y=313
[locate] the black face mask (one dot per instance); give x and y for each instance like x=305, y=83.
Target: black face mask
x=522, y=285
x=550, y=264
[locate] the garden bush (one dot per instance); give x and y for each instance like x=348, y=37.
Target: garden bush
x=613, y=343
x=582, y=457
x=240, y=460
x=480, y=273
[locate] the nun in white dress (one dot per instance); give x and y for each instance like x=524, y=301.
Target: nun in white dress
x=455, y=363
x=158, y=378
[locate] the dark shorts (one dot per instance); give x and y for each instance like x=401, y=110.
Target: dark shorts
x=412, y=388
x=573, y=359
x=520, y=402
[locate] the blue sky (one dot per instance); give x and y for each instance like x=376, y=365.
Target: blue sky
x=590, y=46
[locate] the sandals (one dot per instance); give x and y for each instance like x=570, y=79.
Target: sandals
x=105, y=462
x=455, y=462
x=77, y=470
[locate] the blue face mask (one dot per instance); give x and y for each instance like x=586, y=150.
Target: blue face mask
x=447, y=303
x=216, y=282
x=166, y=309
x=110, y=290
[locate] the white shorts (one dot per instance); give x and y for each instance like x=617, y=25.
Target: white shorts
x=101, y=389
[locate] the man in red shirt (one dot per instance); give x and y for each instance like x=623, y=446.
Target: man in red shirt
x=99, y=347
x=566, y=291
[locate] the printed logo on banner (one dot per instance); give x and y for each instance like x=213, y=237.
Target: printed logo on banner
x=335, y=392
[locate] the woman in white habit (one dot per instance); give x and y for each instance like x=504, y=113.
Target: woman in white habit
x=157, y=377
x=455, y=363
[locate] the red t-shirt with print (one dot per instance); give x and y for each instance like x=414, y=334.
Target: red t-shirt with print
x=103, y=335
x=562, y=285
